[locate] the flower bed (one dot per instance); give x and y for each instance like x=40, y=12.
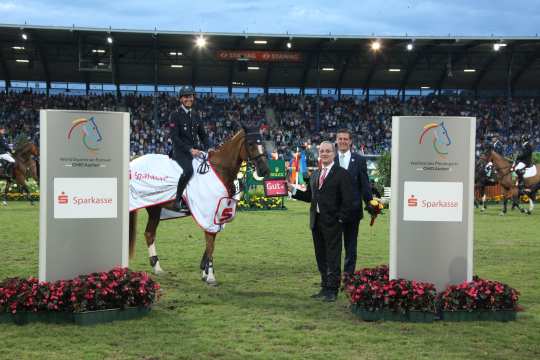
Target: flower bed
x=30, y=300
x=479, y=299
x=374, y=296
x=257, y=202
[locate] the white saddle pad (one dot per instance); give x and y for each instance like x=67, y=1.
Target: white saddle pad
x=530, y=172
x=154, y=179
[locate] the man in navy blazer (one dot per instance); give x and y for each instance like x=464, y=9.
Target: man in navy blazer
x=355, y=164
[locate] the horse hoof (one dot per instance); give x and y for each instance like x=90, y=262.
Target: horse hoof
x=211, y=282
x=501, y=214
x=4, y=203
x=482, y=209
x=157, y=270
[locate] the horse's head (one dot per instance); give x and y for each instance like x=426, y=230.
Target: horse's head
x=34, y=150
x=442, y=135
x=487, y=153
x=254, y=151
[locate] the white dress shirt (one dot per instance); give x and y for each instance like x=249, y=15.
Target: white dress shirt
x=344, y=159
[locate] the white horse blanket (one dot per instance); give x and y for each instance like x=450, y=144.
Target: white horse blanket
x=153, y=180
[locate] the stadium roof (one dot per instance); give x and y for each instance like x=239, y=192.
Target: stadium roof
x=64, y=54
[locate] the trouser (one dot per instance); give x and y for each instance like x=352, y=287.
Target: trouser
x=350, y=240
x=7, y=156
x=186, y=163
x=327, y=245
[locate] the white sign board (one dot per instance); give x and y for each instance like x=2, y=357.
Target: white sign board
x=84, y=168
x=433, y=201
x=85, y=198
x=431, y=222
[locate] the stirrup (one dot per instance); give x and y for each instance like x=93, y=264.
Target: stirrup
x=179, y=206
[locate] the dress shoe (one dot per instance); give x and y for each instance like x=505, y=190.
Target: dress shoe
x=330, y=297
x=318, y=296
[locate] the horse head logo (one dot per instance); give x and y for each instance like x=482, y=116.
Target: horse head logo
x=90, y=134
x=440, y=137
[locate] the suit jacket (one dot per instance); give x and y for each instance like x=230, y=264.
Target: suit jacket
x=360, y=182
x=333, y=197
x=186, y=131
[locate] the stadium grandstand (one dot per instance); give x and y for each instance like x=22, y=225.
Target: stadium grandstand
x=299, y=89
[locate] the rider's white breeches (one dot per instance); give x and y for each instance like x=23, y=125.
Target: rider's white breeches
x=7, y=157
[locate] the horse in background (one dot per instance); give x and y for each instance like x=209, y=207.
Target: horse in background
x=26, y=165
x=245, y=145
x=481, y=182
x=503, y=168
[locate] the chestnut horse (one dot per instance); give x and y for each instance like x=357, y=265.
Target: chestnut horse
x=245, y=145
x=504, y=177
x=24, y=164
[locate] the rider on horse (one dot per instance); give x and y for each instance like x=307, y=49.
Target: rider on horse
x=497, y=144
x=523, y=160
x=5, y=152
x=188, y=126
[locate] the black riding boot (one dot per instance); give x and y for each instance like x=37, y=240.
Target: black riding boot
x=182, y=183
x=9, y=169
x=521, y=181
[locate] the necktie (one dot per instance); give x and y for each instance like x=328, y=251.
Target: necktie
x=323, y=176
x=342, y=160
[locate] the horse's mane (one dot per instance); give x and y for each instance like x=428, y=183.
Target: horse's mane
x=21, y=143
x=226, y=141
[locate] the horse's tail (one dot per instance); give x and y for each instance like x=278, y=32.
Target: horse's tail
x=132, y=232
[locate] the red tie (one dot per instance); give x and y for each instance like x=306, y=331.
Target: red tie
x=323, y=176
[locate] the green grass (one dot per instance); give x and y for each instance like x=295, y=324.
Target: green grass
x=262, y=310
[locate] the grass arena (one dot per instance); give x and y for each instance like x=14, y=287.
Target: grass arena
x=261, y=309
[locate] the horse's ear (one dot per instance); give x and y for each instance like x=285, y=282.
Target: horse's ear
x=240, y=125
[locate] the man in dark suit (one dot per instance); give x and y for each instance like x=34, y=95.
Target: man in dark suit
x=187, y=128
x=355, y=164
x=328, y=191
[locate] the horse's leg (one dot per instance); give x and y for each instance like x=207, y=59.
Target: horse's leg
x=28, y=194
x=505, y=203
x=150, y=236
x=5, y=194
x=208, y=274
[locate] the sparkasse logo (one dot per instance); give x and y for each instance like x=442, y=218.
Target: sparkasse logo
x=63, y=198
x=412, y=201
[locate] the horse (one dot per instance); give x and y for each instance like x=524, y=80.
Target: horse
x=481, y=182
x=245, y=145
x=504, y=177
x=25, y=152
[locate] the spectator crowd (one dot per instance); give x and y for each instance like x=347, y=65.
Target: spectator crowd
x=287, y=122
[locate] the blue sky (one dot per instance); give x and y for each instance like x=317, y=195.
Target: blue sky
x=360, y=17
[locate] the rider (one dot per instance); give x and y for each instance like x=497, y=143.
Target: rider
x=497, y=144
x=523, y=160
x=5, y=151
x=188, y=127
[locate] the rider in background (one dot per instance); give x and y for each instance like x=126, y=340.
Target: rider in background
x=497, y=144
x=523, y=161
x=188, y=127
x=5, y=151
